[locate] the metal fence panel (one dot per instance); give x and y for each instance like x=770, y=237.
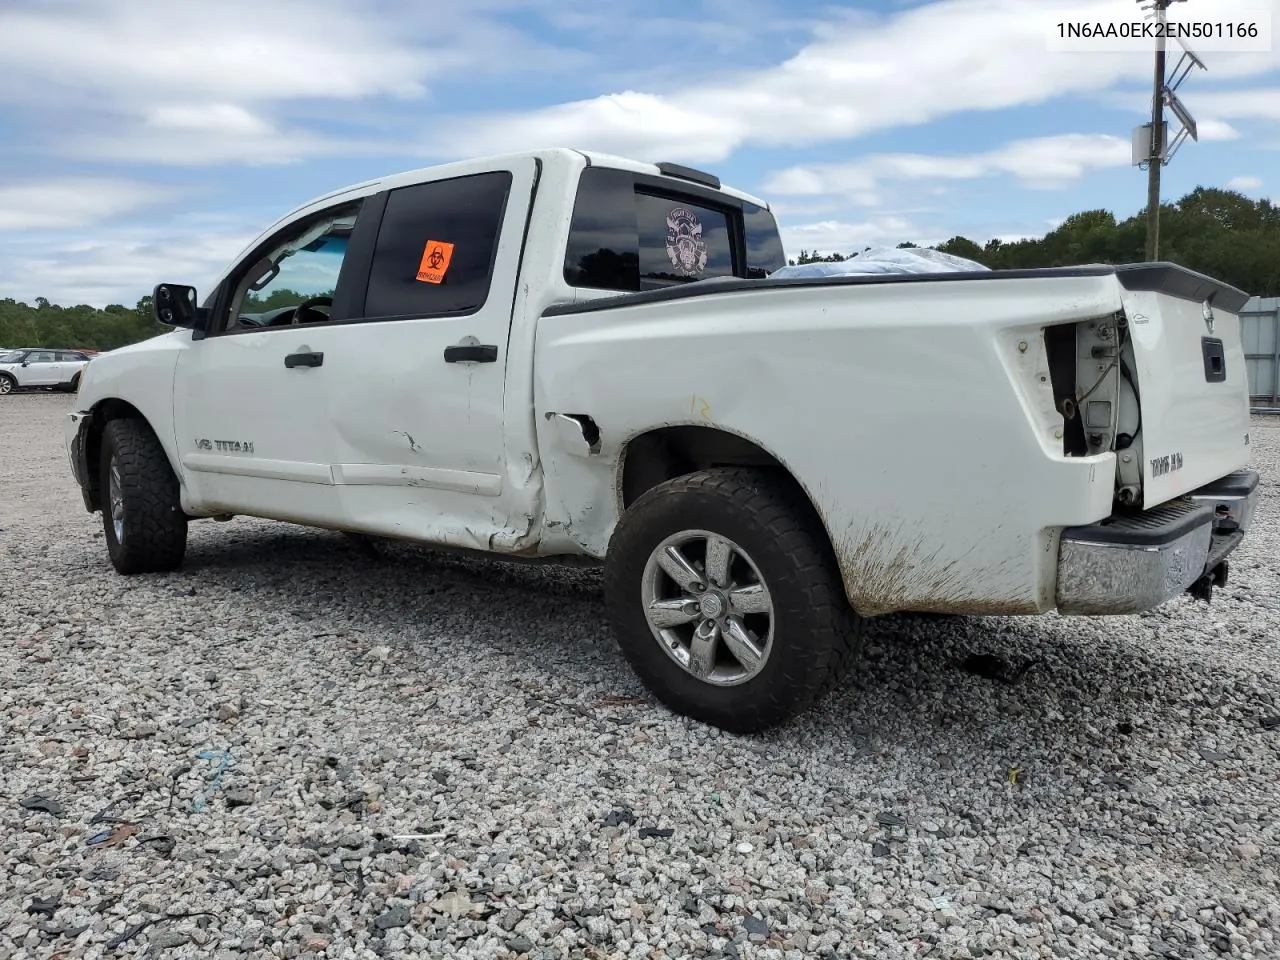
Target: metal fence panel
x=1260, y=333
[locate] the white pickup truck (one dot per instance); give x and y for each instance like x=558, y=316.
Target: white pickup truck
x=560, y=353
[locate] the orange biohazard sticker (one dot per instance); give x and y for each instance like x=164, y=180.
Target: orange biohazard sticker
x=435, y=261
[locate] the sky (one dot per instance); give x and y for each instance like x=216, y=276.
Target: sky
x=149, y=140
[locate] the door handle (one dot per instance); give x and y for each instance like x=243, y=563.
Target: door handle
x=304, y=360
x=471, y=353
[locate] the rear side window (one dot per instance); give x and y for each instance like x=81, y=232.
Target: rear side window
x=436, y=247
x=764, y=244
x=634, y=233
x=680, y=241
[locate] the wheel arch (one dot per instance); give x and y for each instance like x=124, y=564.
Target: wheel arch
x=665, y=453
x=100, y=414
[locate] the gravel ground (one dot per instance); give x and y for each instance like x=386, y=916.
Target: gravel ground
x=294, y=749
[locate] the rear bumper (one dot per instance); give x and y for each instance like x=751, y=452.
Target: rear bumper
x=1129, y=563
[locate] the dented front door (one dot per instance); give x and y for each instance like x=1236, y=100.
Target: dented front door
x=417, y=418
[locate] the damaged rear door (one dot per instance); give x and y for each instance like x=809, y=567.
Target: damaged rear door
x=418, y=430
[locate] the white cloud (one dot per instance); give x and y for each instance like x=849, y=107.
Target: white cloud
x=225, y=119
x=73, y=201
x=1244, y=183
x=1211, y=107
x=116, y=266
x=1261, y=103
x=851, y=236
x=198, y=83
x=636, y=124
x=1042, y=162
x=241, y=50
x=266, y=146
x=827, y=236
x=856, y=76
x=1211, y=129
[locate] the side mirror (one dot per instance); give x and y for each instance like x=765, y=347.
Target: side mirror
x=175, y=305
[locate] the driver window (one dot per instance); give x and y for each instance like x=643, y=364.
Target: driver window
x=295, y=279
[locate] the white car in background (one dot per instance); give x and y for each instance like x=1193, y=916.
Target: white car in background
x=41, y=367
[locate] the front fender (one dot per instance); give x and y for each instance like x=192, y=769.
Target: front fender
x=135, y=381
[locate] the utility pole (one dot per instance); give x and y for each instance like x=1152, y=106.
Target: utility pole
x=1156, y=156
x=1152, y=147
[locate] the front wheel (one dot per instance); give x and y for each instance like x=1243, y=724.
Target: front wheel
x=726, y=600
x=7, y=384
x=142, y=517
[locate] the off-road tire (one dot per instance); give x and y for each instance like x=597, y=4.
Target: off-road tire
x=816, y=631
x=7, y=384
x=154, y=525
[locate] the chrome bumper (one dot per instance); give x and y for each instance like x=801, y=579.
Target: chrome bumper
x=1130, y=563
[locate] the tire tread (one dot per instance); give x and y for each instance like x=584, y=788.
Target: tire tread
x=156, y=529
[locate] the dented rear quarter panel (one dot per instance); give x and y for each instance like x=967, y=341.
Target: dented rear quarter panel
x=906, y=411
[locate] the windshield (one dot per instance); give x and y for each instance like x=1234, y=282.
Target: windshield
x=10, y=356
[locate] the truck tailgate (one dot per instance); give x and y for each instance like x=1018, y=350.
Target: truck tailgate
x=1185, y=331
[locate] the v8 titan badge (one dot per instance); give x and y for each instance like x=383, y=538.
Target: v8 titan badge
x=685, y=247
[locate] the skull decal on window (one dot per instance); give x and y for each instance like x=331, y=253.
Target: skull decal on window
x=686, y=248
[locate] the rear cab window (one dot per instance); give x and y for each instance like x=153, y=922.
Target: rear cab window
x=632, y=232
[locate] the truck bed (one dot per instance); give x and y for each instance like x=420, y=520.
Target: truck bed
x=918, y=409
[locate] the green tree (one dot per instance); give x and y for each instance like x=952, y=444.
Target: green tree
x=963, y=247
x=47, y=325
x=1217, y=232
x=816, y=257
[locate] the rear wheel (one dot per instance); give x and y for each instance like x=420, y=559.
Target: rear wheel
x=726, y=600
x=142, y=516
x=7, y=384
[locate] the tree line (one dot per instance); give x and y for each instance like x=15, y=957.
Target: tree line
x=83, y=327
x=1221, y=233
